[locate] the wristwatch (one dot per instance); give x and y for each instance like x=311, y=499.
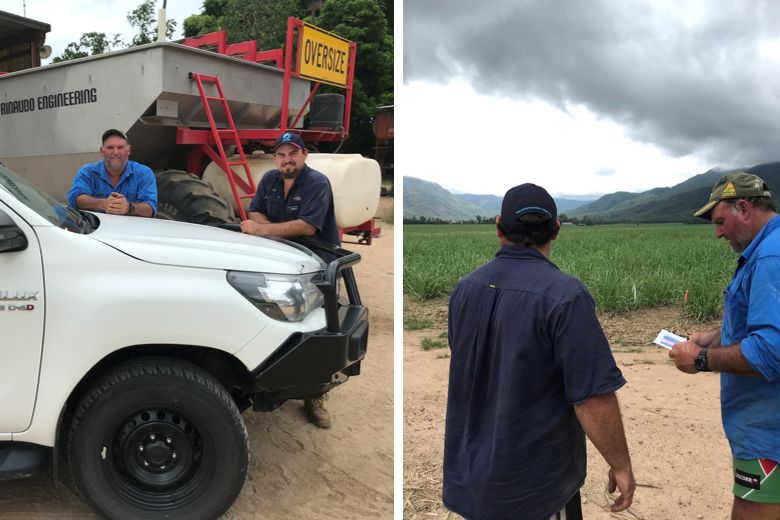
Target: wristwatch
x=701, y=363
x=131, y=208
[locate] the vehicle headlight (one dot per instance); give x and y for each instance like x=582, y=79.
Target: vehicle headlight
x=279, y=296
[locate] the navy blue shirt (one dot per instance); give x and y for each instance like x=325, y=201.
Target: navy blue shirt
x=310, y=199
x=525, y=346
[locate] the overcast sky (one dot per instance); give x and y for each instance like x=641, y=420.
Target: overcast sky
x=69, y=19
x=586, y=96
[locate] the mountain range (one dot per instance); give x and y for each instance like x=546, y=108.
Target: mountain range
x=430, y=200
x=672, y=204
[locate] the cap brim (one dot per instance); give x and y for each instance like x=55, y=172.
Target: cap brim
x=116, y=133
x=299, y=147
x=705, y=211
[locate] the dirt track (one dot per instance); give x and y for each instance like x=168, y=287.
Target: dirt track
x=296, y=470
x=680, y=456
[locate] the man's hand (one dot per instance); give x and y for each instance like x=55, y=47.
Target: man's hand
x=117, y=204
x=707, y=338
x=684, y=355
x=250, y=227
x=600, y=417
x=623, y=481
x=289, y=229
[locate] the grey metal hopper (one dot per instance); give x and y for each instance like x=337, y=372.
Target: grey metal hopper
x=52, y=117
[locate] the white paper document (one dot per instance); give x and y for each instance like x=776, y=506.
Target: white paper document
x=667, y=339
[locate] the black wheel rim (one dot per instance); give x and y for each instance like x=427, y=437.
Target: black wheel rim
x=159, y=459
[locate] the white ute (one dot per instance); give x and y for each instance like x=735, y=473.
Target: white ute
x=130, y=347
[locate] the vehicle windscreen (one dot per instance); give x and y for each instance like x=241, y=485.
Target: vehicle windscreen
x=42, y=203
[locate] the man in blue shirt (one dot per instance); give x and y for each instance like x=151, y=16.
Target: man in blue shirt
x=530, y=370
x=746, y=349
x=116, y=184
x=295, y=201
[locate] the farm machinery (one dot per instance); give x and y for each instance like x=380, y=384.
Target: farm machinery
x=201, y=113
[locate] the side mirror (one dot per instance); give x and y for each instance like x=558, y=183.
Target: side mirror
x=11, y=236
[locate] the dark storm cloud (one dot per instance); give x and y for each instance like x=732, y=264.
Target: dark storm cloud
x=687, y=81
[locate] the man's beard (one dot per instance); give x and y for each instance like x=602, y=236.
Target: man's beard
x=116, y=164
x=289, y=171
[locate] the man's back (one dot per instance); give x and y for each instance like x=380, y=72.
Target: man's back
x=526, y=344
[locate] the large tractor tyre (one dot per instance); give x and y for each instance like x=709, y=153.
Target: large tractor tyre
x=182, y=196
x=158, y=438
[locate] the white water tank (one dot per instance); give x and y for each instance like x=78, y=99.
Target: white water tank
x=356, y=182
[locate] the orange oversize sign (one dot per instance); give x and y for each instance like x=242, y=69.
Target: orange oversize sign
x=323, y=56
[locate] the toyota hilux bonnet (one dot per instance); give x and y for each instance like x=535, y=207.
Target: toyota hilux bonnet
x=194, y=245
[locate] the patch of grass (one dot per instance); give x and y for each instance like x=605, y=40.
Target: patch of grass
x=434, y=310
x=415, y=323
x=432, y=344
x=422, y=485
x=443, y=335
x=625, y=267
x=644, y=362
x=446, y=355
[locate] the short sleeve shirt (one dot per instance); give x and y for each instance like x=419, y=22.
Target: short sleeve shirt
x=750, y=406
x=137, y=184
x=526, y=346
x=310, y=199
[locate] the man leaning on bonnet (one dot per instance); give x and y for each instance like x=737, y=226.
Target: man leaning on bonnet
x=116, y=184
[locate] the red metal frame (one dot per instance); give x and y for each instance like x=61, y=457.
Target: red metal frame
x=365, y=232
x=247, y=50
x=244, y=50
x=275, y=55
x=217, y=39
x=220, y=136
x=206, y=139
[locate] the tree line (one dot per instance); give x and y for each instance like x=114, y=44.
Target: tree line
x=479, y=219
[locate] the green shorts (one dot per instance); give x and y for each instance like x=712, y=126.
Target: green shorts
x=757, y=480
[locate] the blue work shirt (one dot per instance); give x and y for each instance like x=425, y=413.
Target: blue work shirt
x=137, y=183
x=750, y=406
x=310, y=199
x=526, y=346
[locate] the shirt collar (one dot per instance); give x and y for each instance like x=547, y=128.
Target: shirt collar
x=519, y=252
x=302, y=177
x=770, y=226
x=104, y=172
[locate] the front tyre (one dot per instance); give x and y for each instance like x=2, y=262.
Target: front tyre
x=158, y=438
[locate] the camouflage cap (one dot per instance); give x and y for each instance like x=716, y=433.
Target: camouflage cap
x=738, y=185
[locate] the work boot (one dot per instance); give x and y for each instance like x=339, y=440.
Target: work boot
x=316, y=412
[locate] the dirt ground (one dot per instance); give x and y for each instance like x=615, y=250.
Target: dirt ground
x=680, y=456
x=297, y=470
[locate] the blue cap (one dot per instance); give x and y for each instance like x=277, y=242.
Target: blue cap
x=289, y=138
